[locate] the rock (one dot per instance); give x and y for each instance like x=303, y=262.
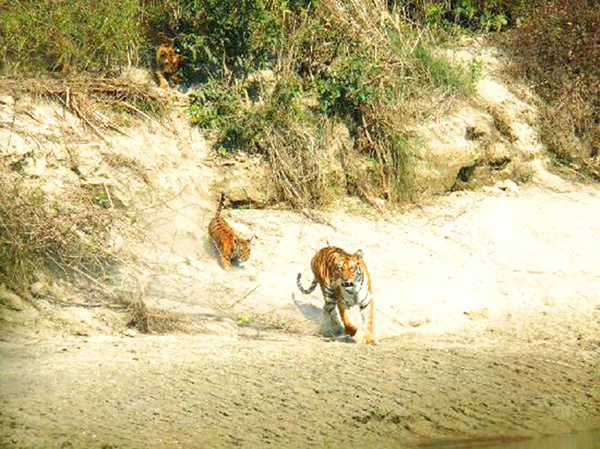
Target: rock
x=38, y=288
x=10, y=300
x=116, y=243
x=474, y=132
x=478, y=314
x=33, y=164
x=139, y=77
x=508, y=186
x=247, y=181
x=86, y=159
x=130, y=333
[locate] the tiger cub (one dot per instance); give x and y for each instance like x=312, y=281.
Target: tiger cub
x=167, y=61
x=345, y=282
x=230, y=246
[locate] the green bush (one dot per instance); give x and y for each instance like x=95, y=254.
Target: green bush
x=218, y=36
x=374, y=81
x=478, y=15
x=347, y=87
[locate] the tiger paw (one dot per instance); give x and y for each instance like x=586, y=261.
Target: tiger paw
x=369, y=339
x=350, y=329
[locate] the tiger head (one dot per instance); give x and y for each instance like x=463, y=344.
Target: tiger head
x=349, y=271
x=241, y=248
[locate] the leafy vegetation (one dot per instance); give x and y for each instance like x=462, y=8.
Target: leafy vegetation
x=477, y=15
x=281, y=74
x=68, y=35
x=323, y=71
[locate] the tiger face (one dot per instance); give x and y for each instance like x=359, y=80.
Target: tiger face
x=347, y=270
x=241, y=249
x=168, y=62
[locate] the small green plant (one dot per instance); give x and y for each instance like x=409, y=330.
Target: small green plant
x=215, y=104
x=101, y=197
x=433, y=13
x=243, y=320
x=476, y=67
x=441, y=73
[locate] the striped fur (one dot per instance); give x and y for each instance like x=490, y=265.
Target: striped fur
x=168, y=61
x=231, y=247
x=345, y=283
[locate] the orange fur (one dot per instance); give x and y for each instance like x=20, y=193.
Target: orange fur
x=335, y=270
x=230, y=246
x=167, y=61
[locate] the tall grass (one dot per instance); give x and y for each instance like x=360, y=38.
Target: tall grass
x=67, y=236
x=557, y=48
x=69, y=35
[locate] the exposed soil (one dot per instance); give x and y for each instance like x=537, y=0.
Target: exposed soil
x=488, y=314
x=487, y=302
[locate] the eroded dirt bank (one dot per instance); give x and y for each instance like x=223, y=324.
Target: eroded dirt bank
x=488, y=313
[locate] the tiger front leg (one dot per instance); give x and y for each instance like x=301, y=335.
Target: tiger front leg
x=336, y=325
x=162, y=81
x=349, y=327
x=225, y=255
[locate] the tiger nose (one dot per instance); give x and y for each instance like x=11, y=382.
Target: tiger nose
x=346, y=283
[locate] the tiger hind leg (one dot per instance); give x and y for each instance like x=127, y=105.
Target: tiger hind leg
x=225, y=249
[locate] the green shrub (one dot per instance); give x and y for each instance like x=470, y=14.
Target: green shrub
x=375, y=81
x=218, y=36
x=347, y=87
x=477, y=15
x=214, y=104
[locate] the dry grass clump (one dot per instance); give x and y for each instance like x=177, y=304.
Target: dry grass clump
x=557, y=47
x=294, y=161
x=95, y=100
x=151, y=320
x=67, y=236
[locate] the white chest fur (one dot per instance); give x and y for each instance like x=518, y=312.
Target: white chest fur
x=358, y=294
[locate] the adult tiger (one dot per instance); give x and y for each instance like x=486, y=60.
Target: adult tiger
x=231, y=247
x=345, y=282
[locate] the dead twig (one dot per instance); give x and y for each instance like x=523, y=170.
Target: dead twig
x=142, y=113
x=235, y=303
x=12, y=125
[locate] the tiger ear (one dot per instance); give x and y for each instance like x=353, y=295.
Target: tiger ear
x=358, y=254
